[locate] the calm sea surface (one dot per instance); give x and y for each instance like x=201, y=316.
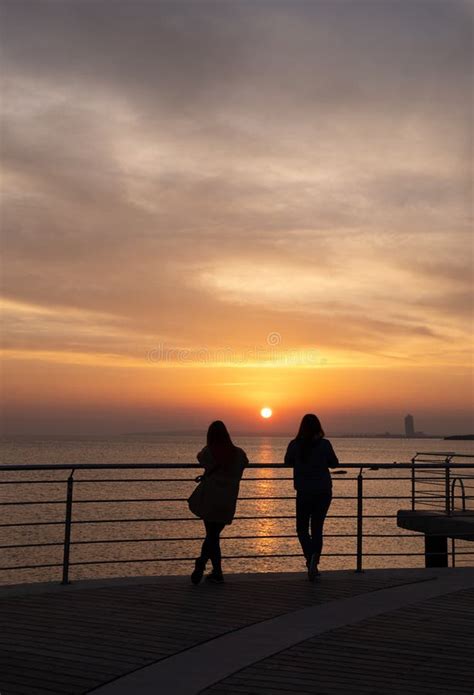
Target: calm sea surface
x=144, y=528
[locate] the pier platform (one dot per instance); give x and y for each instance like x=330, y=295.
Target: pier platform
x=379, y=632
x=459, y=525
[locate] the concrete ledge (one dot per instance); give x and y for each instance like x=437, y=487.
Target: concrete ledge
x=459, y=525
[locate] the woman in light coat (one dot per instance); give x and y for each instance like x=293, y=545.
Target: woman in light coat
x=223, y=464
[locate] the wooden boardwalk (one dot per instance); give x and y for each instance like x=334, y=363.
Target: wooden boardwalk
x=427, y=649
x=76, y=638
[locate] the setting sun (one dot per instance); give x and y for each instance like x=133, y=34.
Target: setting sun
x=266, y=412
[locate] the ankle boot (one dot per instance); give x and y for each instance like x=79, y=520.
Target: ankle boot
x=215, y=577
x=199, y=567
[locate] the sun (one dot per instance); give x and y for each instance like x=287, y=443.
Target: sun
x=266, y=412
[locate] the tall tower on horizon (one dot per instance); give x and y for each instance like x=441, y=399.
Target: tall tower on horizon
x=409, y=426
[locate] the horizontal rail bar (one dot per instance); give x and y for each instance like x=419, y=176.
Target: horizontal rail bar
x=442, y=453
x=253, y=557
x=36, y=482
x=184, y=499
x=425, y=495
x=137, y=561
x=187, y=518
x=238, y=538
x=30, y=567
x=199, y=538
x=32, y=523
x=184, y=466
x=424, y=479
x=34, y=545
x=225, y=557
x=245, y=479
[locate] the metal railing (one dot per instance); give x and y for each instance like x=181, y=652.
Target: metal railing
x=434, y=487
x=360, y=525
x=463, y=494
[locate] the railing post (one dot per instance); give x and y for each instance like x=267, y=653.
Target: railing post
x=360, y=518
x=447, y=490
x=413, y=490
x=67, y=528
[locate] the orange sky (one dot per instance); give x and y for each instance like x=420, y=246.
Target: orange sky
x=208, y=209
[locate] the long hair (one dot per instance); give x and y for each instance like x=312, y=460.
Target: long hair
x=219, y=442
x=217, y=434
x=310, y=428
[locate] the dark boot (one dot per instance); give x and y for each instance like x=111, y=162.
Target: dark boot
x=215, y=577
x=313, y=571
x=199, y=567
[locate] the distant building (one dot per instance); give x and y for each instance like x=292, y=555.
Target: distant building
x=409, y=426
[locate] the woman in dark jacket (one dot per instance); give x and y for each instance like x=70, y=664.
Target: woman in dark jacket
x=223, y=464
x=311, y=457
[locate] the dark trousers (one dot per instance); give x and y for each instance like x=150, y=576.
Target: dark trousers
x=311, y=510
x=211, y=549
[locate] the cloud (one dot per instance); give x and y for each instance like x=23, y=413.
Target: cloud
x=206, y=171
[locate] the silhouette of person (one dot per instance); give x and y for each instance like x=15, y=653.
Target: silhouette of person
x=224, y=464
x=311, y=456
